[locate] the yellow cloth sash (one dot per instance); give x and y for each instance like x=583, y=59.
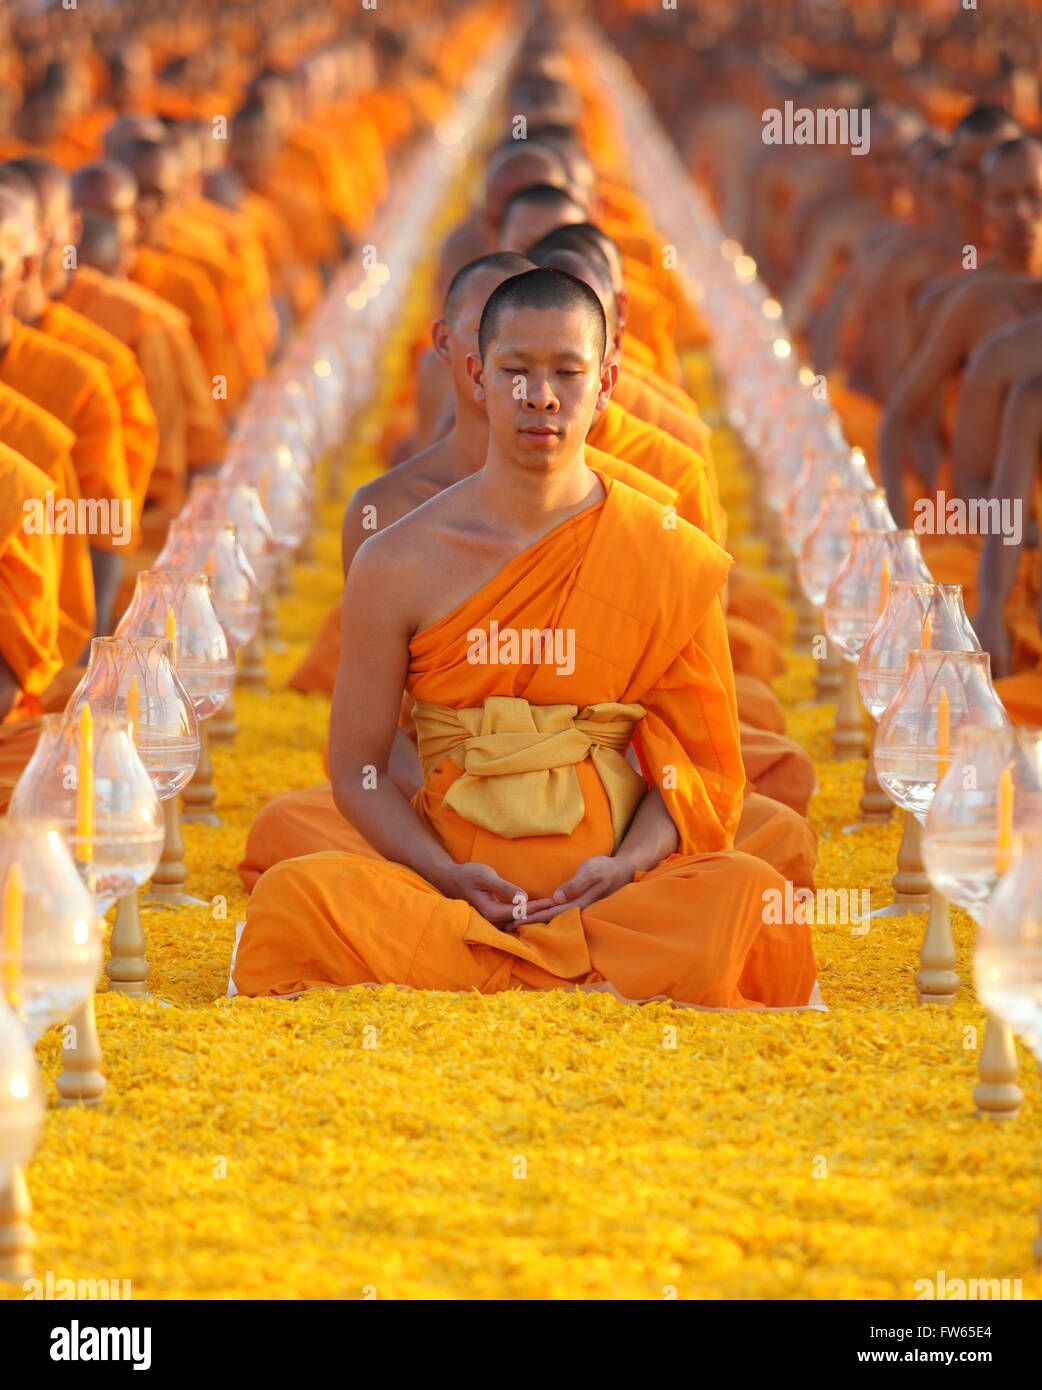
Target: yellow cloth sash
x=519, y=760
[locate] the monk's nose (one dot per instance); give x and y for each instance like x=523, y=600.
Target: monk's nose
x=540, y=396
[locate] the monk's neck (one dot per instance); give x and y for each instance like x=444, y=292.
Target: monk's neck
x=470, y=433
x=7, y=322
x=522, y=500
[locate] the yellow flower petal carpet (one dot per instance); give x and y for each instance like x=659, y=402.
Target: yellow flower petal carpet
x=389, y=1144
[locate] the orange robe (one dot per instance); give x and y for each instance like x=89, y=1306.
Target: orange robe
x=186, y=287
x=74, y=388
x=658, y=454
x=28, y=579
x=244, y=246
x=660, y=647
x=113, y=306
x=1022, y=696
x=29, y=615
x=292, y=277
x=748, y=598
x=642, y=398
x=757, y=704
x=203, y=247
x=643, y=371
x=47, y=444
x=140, y=426
x=653, y=320
x=314, y=229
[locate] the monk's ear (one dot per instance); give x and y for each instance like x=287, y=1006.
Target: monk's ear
x=475, y=372
x=76, y=228
x=440, y=339
x=609, y=376
x=622, y=303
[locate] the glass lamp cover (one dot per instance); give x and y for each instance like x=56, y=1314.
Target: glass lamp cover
x=54, y=956
x=991, y=792
x=202, y=655
x=123, y=840
x=1007, y=967
x=211, y=547
x=166, y=730
x=941, y=692
x=215, y=499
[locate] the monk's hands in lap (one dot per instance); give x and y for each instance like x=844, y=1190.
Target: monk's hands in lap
x=498, y=901
x=595, y=878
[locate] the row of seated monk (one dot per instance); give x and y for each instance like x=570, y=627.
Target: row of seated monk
x=531, y=826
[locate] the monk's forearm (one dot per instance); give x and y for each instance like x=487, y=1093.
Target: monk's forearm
x=387, y=820
x=1013, y=479
x=997, y=574
x=403, y=766
x=9, y=689
x=651, y=837
x=893, y=444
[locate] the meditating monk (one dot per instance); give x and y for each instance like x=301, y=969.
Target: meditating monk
x=29, y=615
x=107, y=192
x=157, y=168
x=535, y=855
x=142, y=195
x=42, y=439
x=306, y=821
x=989, y=300
x=41, y=304
x=73, y=387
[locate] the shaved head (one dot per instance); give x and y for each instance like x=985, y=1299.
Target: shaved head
x=19, y=208
x=533, y=212
x=109, y=190
x=500, y=263
x=156, y=166
x=511, y=170
x=58, y=225
x=591, y=271
x=105, y=187
x=126, y=128
x=50, y=180
x=99, y=245
x=542, y=290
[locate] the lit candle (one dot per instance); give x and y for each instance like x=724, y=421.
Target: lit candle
x=14, y=900
x=85, y=786
x=170, y=630
x=927, y=632
x=133, y=705
x=884, y=583
x=943, y=733
x=1005, y=840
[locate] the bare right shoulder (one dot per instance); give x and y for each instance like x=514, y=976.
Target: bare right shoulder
x=394, y=566
x=386, y=499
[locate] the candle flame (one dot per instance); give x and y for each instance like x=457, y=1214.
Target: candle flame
x=170, y=630
x=884, y=583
